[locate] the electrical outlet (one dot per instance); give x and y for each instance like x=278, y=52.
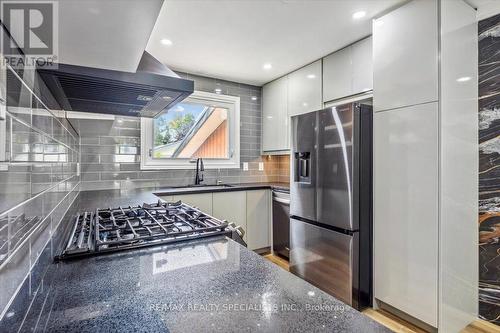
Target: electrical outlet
x=245, y=166
x=261, y=166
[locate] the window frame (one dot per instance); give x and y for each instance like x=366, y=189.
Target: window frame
x=232, y=103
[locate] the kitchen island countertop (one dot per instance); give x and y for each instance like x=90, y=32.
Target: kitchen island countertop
x=204, y=285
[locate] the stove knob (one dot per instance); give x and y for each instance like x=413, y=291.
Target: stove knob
x=240, y=231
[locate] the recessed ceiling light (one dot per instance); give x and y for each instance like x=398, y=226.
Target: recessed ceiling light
x=311, y=76
x=267, y=66
x=166, y=41
x=218, y=90
x=463, y=79
x=358, y=15
x=119, y=121
x=254, y=98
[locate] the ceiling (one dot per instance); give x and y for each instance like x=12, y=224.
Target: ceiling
x=233, y=39
x=485, y=8
x=109, y=34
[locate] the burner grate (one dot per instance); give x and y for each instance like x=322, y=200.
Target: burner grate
x=127, y=227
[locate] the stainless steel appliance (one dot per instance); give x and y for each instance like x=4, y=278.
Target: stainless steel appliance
x=145, y=93
x=114, y=229
x=331, y=209
x=281, y=223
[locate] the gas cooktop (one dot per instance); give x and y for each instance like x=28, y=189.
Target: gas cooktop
x=121, y=228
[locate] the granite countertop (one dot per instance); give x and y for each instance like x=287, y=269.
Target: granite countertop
x=205, y=285
x=228, y=188
x=208, y=285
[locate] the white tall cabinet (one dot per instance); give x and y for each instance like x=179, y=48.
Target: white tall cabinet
x=406, y=212
x=425, y=162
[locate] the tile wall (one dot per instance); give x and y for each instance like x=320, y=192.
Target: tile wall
x=38, y=183
x=110, y=149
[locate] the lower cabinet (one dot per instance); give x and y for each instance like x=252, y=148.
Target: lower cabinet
x=258, y=219
x=249, y=209
x=201, y=201
x=231, y=206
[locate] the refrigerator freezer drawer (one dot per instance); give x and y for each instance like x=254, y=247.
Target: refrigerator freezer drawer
x=325, y=258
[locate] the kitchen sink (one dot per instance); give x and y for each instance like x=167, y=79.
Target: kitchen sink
x=208, y=187
x=200, y=187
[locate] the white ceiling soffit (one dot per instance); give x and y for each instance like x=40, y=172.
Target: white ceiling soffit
x=485, y=8
x=233, y=39
x=110, y=34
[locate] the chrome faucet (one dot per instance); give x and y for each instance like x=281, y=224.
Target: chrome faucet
x=199, y=171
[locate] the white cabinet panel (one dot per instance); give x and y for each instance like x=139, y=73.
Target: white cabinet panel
x=406, y=210
x=405, y=56
x=337, y=74
x=168, y=198
x=362, y=66
x=201, y=201
x=459, y=167
x=304, y=89
x=348, y=71
x=231, y=206
x=275, y=120
x=258, y=219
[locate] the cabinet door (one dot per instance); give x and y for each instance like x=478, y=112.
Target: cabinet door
x=201, y=201
x=337, y=74
x=406, y=210
x=405, y=58
x=362, y=66
x=168, y=198
x=275, y=122
x=231, y=206
x=304, y=89
x=258, y=219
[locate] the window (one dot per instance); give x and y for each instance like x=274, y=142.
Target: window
x=204, y=125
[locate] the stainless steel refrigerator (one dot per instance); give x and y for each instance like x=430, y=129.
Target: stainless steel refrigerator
x=331, y=201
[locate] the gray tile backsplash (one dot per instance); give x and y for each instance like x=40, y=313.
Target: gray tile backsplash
x=41, y=182
x=38, y=183
x=110, y=149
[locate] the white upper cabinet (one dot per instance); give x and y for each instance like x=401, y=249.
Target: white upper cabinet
x=304, y=89
x=362, y=66
x=348, y=71
x=405, y=56
x=275, y=134
x=337, y=74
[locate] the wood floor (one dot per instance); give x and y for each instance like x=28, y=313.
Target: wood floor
x=394, y=323
x=283, y=263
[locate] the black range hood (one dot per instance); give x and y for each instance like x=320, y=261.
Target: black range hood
x=145, y=93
